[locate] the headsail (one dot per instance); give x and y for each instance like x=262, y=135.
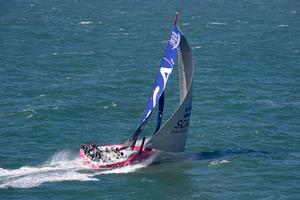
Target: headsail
x=166, y=68
x=172, y=135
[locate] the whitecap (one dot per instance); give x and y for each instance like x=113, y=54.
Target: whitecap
x=29, y=112
x=185, y=24
x=217, y=23
x=85, y=22
x=217, y=162
x=197, y=47
x=282, y=25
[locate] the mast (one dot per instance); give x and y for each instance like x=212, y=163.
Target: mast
x=175, y=18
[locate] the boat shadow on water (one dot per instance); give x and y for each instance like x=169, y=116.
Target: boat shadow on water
x=165, y=157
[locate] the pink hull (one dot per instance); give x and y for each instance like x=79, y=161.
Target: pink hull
x=133, y=159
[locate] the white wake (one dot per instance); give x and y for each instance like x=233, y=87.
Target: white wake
x=63, y=166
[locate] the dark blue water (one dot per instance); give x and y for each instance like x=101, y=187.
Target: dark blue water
x=75, y=72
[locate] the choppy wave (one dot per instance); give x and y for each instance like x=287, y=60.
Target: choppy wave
x=85, y=22
x=282, y=25
x=62, y=166
x=218, y=162
x=29, y=112
x=218, y=23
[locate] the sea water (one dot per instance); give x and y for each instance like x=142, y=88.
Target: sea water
x=75, y=72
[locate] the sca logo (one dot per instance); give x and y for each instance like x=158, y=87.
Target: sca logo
x=183, y=123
